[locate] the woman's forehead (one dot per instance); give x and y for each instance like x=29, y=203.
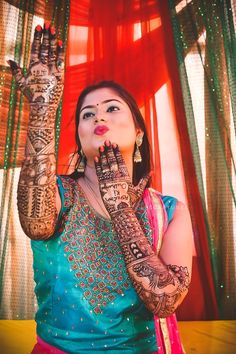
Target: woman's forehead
x=99, y=95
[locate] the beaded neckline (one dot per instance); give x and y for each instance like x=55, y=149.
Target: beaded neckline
x=92, y=248
x=93, y=210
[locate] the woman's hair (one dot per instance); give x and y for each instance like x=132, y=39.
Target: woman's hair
x=141, y=168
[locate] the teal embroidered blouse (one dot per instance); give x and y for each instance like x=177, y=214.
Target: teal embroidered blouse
x=86, y=301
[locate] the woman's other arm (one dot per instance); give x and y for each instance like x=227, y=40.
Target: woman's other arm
x=37, y=195
x=162, y=280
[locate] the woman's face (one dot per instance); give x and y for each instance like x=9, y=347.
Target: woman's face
x=106, y=116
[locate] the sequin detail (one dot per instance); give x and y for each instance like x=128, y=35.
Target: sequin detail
x=93, y=251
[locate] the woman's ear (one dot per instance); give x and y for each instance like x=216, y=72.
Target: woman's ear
x=139, y=133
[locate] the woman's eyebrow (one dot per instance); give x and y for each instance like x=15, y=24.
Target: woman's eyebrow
x=106, y=101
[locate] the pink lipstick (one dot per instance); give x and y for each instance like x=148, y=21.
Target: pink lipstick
x=101, y=130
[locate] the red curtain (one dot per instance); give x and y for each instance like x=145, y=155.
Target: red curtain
x=130, y=41
x=101, y=46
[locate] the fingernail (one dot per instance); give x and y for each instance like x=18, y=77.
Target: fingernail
x=60, y=43
x=38, y=28
x=114, y=146
x=96, y=159
x=101, y=148
x=46, y=25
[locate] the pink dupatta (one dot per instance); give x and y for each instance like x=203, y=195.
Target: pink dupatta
x=167, y=334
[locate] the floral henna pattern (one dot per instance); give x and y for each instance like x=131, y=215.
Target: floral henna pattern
x=157, y=277
x=160, y=286
x=116, y=187
x=43, y=87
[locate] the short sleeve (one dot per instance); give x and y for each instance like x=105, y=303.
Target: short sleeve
x=66, y=190
x=170, y=205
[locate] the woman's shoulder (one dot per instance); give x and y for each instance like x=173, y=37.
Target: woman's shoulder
x=66, y=182
x=169, y=202
x=66, y=186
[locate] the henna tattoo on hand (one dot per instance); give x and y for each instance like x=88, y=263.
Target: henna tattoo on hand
x=161, y=287
x=43, y=86
x=116, y=187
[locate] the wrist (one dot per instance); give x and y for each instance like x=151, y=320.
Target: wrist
x=117, y=213
x=42, y=115
x=47, y=105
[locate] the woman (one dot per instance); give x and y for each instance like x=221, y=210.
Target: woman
x=102, y=267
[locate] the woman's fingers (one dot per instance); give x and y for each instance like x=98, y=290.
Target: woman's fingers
x=103, y=158
x=98, y=167
x=14, y=66
x=17, y=73
x=35, y=49
x=137, y=192
x=120, y=161
x=60, y=55
x=44, y=51
x=142, y=185
x=47, y=49
x=52, y=49
x=111, y=159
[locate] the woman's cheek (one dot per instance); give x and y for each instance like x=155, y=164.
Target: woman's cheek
x=82, y=131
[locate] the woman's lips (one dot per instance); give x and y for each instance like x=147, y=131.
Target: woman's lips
x=101, y=129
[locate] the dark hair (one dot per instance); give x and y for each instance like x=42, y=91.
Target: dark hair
x=141, y=168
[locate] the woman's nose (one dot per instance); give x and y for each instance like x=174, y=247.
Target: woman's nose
x=99, y=118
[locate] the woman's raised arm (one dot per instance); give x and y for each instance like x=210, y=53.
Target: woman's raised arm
x=37, y=194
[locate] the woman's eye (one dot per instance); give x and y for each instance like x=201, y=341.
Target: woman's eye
x=88, y=115
x=113, y=108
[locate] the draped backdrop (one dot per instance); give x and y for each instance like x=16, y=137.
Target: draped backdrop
x=177, y=58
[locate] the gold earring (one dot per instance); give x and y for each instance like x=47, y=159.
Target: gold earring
x=81, y=166
x=137, y=154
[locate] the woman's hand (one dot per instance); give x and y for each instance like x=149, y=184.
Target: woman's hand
x=37, y=192
x=161, y=282
x=43, y=82
x=116, y=187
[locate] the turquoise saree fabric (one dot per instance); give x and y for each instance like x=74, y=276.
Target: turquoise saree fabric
x=86, y=301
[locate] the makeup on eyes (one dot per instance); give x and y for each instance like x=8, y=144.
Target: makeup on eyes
x=98, y=104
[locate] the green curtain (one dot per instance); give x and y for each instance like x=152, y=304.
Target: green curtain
x=18, y=20
x=205, y=41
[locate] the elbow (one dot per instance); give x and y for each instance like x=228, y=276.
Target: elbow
x=168, y=305
x=165, y=311
x=38, y=229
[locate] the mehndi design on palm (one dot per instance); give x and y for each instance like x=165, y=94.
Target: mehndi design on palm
x=43, y=82
x=116, y=187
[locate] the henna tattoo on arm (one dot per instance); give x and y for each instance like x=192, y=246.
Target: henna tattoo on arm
x=43, y=86
x=161, y=287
